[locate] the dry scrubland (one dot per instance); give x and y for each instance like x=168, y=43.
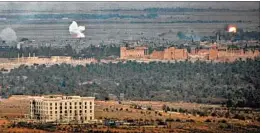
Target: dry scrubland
x=14, y=109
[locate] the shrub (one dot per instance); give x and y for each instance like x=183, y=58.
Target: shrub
x=169, y=120
x=213, y=114
x=202, y=113
x=158, y=120
x=190, y=120
x=207, y=120
x=181, y=110
x=178, y=120
x=240, y=117
x=222, y=121
x=224, y=125
x=173, y=110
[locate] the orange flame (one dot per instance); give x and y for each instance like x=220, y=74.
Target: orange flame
x=232, y=29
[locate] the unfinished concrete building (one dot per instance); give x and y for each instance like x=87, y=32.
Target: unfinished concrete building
x=62, y=109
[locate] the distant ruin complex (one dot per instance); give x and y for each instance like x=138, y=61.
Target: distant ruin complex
x=219, y=54
x=16, y=62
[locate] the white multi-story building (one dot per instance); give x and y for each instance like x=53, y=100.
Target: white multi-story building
x=62, y=109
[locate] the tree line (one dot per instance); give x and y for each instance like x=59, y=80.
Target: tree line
x=88, y=52
x=235, y=84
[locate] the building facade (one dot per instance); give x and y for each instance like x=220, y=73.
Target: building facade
x=136, y=52
x=173, y=53
x=62, y=109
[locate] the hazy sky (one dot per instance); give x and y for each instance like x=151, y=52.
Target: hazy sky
x=60, y=6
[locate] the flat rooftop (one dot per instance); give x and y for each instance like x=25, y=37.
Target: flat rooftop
x=61, y=97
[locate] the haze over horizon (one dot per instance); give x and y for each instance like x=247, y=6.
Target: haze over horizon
x=87, y=6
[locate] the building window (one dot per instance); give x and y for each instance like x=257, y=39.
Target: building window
x=90, y=103
x=65, y=111
x=80, y=111
x=70, y=103
x=50, y=107
x=85, y=111
x=65, y=107
x=70, y=107
x=50, y=104
x=90, y=117
x=55, y=112
x=80, y=107
x=55, y=107
x=75, y=103
x=65, y=104
x=80, y=103
x=85, y=118
x=90, y=111
x=85, y=107
x=70, y=111
x=55, y=104
x=50, y=112
x=61, y=112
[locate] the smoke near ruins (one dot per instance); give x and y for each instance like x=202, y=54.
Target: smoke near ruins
x=76, y=31
x=8, y=35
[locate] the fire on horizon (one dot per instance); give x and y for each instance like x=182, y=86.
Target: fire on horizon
x=232, y=28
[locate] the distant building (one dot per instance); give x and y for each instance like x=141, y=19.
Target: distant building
x=170, y=53
x=62, y=109
x=136, y=52
x=112, y=97
x=122, y=96
x=5, y=48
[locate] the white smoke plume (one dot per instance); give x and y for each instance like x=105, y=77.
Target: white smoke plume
x=76, y=31
x=8, y=35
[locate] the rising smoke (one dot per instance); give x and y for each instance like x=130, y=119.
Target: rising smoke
x=76, y=31
x=188, y=35
x=8, y=35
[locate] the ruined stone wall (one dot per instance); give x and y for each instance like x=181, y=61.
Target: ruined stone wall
x=175, y=54
x=122, y=52
x=138, y=52
x=201, y=54
x=157, y=55
x=213, y=54
x=14, y=63
x=232, y=55
x=180, y=54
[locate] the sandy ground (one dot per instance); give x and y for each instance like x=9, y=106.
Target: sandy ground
x=15, y=108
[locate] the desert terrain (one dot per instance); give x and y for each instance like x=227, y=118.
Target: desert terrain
x=142, y=116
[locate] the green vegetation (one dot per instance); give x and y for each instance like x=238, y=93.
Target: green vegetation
x=234, y=84
x=92, y=51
